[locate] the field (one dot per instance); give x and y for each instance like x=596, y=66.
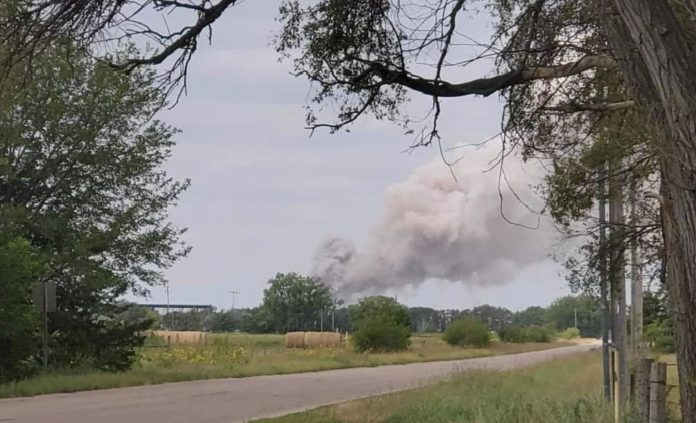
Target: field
x=562, y=391
x=242, y=355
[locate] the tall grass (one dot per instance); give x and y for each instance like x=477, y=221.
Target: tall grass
x=566, y=390
x=243, y=355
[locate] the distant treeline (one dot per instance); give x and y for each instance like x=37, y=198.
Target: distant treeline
x=559, y=315
x=294, y=302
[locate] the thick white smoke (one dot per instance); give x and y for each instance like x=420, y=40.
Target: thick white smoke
x=434, y=226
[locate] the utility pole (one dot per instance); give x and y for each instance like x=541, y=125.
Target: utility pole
x=233, y=292
x=575, y=312
x=45, y=324
x=636, y=283
x=604, y=302
x=166, y=289
x=618, y=283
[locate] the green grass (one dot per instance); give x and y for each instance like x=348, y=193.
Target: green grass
x=566, y=390
x=243, y=355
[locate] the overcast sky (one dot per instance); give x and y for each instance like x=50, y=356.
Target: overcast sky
x=264, y=194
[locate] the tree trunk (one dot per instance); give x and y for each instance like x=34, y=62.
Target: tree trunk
x=658, y=65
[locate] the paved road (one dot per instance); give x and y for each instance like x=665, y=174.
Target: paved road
x=238, y=400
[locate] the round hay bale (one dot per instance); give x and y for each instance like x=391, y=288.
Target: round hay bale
x=312, y=339
x=330, y=339
x=294, y=340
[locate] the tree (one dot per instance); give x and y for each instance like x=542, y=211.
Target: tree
x=19, y=322
x=385, y=307
x=293, y=302
x=81, y=181
x=495, y=317
x=531, y=316
x=380, y=324
x=133, y=314
x=424, y=319
x=467, y=331
x=562, y=312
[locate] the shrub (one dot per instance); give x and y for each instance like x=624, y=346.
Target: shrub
x=538, y=334
x=385, y=307
x=514, y=334
x=518, y=334
x=19, y=322
x=570, y=333
x=468, y=331
x=661, y=336
x=379, y=334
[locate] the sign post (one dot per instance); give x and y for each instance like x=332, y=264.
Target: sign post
x=44, y=295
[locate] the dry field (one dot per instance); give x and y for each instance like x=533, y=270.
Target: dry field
x=242, y=355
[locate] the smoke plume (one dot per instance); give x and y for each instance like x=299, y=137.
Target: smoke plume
x=434, y=226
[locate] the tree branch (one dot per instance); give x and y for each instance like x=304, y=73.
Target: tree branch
x=487, y=86
x=582, y=107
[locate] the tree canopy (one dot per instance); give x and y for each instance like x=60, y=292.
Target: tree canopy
x=81, y=181
x=293, y=302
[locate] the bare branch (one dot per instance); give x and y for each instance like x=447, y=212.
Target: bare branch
x=580, y=107
x=488, y=86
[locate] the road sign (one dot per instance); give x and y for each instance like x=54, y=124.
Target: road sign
x=44, y=291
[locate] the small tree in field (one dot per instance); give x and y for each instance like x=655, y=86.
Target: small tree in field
x=381, y=324
x=467, y=332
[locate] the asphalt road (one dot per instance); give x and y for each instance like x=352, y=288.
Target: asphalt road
x=238, y=400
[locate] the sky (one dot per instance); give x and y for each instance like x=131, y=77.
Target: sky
x=264, y=194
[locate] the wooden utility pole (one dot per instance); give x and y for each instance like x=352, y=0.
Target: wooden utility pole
x=636, y=284
x=618, y=284
x=658, y=393
x=604, y=291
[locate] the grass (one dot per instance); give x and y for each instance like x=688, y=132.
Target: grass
x=243, y=355
x=566, y=390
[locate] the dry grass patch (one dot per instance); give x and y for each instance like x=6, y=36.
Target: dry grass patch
x=243, y=355
x=562, y=391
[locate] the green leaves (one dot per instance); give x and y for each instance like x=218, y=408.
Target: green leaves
x=385, y=308
x=81, y=180
x=294, y=302
x=19, y=267
x=381, y=324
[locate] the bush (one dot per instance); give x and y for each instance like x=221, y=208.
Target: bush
x=518, y=335
x=19, y=323
x=469, y=332
x=514, y=334
x=570, y=333
x=538, y=334
x=378, y=334
x=661, y=336
x=385, y=307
